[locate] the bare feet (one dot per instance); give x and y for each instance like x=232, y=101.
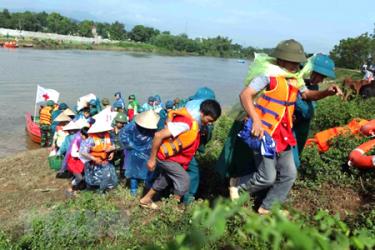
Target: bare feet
x=263, y=211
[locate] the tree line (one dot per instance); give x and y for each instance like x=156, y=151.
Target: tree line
x=56, y=23
x=348, y=53
x=352, y=52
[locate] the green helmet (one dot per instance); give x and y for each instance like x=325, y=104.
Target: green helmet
x=290, y=50
x=105, y=101
x=121, y=117
x=50, y=103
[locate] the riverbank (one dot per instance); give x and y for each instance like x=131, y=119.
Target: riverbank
x=35, y=213
x=123, y=46
x=120, y=46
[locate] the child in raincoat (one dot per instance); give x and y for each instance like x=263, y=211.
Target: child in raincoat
x=136, y=139
x=132, y=107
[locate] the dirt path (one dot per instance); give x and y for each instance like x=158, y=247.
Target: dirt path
x=27, y=182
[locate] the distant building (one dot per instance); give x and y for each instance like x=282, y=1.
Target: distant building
x=94, y=32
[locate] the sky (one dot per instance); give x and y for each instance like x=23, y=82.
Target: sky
x=317, y=24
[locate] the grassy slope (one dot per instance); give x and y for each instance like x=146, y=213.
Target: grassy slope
x=35, y=199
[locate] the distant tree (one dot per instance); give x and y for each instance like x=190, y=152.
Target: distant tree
x=142, y=33
x=41, y=19
x=57, y=23
x=5, y=19
x=85, y=28
x=103, y=29
x=116, y=31
x=352, y=52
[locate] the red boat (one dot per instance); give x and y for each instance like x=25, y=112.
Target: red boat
x=10, y=45
x=32, y=128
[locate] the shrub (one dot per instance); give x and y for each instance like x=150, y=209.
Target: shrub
x=332, y=112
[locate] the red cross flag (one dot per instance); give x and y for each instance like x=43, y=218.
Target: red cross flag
x=43, y=95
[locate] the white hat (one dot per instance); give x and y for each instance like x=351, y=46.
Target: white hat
x=81, y=123
x=62, y=118
x=76, y=125
x=71, y=126
x=100, y=126
x=68, y=112
x=148, y=119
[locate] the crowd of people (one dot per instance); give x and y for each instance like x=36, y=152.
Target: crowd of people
x=156, y=143
x=101, y=144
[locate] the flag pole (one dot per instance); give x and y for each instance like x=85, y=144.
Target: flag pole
x=36, y=97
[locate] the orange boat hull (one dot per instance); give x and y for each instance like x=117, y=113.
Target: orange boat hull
x=10, y=45
x=32, y=129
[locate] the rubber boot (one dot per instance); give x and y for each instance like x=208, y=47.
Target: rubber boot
x=133, y=187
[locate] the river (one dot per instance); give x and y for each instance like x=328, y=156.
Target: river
x=75, y=73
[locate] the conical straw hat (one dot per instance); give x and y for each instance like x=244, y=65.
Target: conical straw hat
x=148, y=119
x=100, y=126
x=68, y=112
x=71, y=126
x=81, y=123
x=62, y=118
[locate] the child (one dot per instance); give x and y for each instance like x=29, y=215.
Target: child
x=60, y=134
x=149, y=105
x=119, y=103
x=132, y=107
x=173, y=148
x=136, y=138
x=75, y=162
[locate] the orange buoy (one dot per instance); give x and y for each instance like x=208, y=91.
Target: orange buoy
x=369, y=128
x=358, y=159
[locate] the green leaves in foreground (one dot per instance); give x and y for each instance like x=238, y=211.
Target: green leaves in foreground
x=211, y=227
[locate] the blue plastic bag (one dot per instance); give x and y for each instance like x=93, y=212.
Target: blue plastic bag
x=266, y=146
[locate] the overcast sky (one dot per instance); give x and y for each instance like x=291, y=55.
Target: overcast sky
x=318, y=24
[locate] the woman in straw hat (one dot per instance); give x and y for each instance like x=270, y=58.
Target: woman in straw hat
x=99, y=172
x=71, y=128
x=136, y=138
x=60, y=134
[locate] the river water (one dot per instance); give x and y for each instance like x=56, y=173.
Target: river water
x=75, y=73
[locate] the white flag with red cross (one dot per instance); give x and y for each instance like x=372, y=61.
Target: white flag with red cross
x=43, y=95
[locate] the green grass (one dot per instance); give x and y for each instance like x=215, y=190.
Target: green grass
x=115, y=221
x=341, y=74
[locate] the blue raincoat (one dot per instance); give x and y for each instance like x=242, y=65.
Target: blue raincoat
x=137, y=143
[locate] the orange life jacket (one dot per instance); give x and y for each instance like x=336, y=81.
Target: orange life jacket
x=174, y=146
x=272, y=104
x=101, y=145
x=322, y=138
x=45, y=117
